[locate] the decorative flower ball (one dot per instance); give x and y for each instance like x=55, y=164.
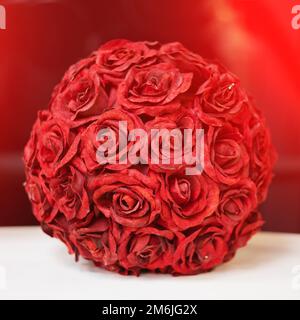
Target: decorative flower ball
x=135, y=216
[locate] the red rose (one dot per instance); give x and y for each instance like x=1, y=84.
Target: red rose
x=116, y=57
x=91, y=142
x=67, y=188
x=43, y=206
x=147, y=248
x=153, y=90
x=56, y=145
x=220, y=98
x=262, y=178
x=59, y=228
x=243, y=232
x=176, y=54
x=97, y=240
x=237, y=201
x=178, y=145
x=262, y=157
x=80, y=98
x=72, y=73
x=30, y=151
x=202, y=250
x=226, y=158
x=128, y=197
x=189, y=199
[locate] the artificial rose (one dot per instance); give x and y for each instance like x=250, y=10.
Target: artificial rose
x=96, y=240
x=262, y=177
x=80, y=98
x=153, y=90
x=67, y=188
x=116, y=57
x=71, y=74
x=90, y=140
x=147, y=248
x=262, y=157
x=237, y=201
x=59, y=228
x=30, y=151
x=129, y=197
x=43, y=206
x=202, y=250
x=56, y=145
x=247, y=228
x=172, y=145
x=220, y=98
x=176, y=54
x=226, y=158
x=188, y=199
x=243, y=232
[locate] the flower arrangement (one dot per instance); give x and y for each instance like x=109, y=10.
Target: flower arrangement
x=139, y=216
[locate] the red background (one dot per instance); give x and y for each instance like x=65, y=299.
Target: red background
x=253, y=38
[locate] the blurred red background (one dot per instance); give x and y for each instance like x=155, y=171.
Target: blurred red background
x=253, y=38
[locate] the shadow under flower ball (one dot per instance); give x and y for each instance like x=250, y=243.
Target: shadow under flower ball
x=132, y=218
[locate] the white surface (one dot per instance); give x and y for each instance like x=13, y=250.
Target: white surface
x=35, y=266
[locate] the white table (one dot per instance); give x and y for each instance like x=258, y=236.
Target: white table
x=35, y=266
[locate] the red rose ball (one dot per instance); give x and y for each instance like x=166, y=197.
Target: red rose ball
x=131, y=217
